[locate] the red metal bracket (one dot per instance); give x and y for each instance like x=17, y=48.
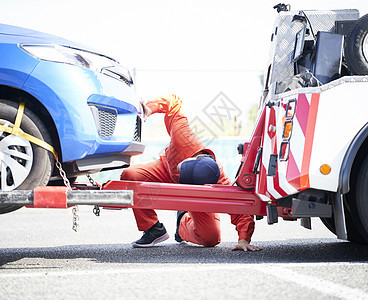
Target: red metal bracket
x=203, y=198
x=246, y=178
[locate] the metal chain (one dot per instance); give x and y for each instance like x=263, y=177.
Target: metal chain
x=96, y=208
x=75, y=226
x=75, y=209
x=63, y=175
x=91, y=181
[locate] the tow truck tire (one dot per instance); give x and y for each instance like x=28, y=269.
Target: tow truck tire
x=24, y=164
x=358, y=204
x=356, y=47
x=329, y=223
x=353, y=232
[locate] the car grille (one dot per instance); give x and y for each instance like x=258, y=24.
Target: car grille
x=107, y=122
x=138, y=130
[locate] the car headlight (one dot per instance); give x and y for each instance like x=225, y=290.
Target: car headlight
x=85, y=59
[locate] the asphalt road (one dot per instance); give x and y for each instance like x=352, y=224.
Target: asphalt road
x=42, y=258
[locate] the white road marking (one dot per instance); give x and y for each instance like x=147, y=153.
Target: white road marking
x=312, y=283
x=284, y=273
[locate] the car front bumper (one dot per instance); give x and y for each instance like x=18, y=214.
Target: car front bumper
x=97, y=117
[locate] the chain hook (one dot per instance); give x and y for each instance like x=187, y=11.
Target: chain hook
x=96, y=210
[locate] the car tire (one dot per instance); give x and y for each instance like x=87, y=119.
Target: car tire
x=356, y=47
x=23, y=165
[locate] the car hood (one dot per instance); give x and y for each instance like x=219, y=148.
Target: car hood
x=29, y=36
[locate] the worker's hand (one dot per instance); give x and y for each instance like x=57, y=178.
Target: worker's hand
x=245, y=246
x=146, y=110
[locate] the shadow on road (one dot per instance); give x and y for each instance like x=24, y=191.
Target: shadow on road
x=286, y=251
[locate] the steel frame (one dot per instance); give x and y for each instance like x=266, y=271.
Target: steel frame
x=204, y=198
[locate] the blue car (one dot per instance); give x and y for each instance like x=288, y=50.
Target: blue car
x=75, y=99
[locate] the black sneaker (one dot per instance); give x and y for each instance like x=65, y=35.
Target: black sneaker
x=179, y=215
x=156, y=234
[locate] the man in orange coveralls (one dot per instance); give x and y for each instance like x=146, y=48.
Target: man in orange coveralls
x=179, y=163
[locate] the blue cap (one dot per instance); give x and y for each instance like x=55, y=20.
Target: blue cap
x=199, y=171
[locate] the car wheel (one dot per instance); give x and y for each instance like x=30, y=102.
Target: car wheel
x=356, y=47
x=23, y=165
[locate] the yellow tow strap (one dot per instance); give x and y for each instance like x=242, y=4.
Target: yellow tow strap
x=17, y=132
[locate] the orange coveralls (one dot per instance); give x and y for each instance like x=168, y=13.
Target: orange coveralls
x=196, y=227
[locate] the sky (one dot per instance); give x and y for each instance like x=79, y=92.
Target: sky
x=194, y=48
x=169, y=34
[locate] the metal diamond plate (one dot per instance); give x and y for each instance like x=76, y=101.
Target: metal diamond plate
x=282, y=47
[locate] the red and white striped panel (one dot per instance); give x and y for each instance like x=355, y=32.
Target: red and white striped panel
x=292, y=175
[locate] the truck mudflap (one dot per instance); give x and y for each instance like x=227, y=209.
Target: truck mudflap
x=61, y=197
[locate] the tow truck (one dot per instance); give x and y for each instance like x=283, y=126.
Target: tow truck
x=308, y=153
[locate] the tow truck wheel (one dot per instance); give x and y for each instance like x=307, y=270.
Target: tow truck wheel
x=356, y=47
x=353, y=232
x=355, y=209
x=358, y=203
x=329, y=223
x=23, y=165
